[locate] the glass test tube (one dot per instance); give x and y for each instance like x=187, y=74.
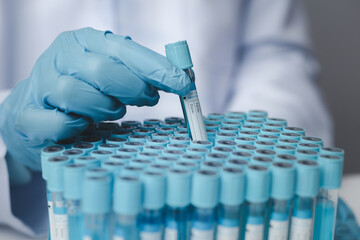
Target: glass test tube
x=178, y=53
x=306, y=189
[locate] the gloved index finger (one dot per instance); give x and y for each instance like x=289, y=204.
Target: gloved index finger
x=148, y=65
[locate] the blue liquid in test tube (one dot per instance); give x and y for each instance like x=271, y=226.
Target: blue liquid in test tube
x=230, y=210
x=204, y=201
x=178, y=218
x=282, y=193
x=127, y=206
x=306, y=189
x=257, y=202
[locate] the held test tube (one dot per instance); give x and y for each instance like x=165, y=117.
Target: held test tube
x=306, y=189
x=178, y=53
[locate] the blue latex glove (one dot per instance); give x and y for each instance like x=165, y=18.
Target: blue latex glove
x=346, y=226
x=84, y=75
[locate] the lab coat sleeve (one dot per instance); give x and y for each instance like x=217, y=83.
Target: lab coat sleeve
x=17, y=205
x=276, y=69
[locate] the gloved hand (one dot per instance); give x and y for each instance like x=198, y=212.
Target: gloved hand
x=346, y=227
x=84, y=75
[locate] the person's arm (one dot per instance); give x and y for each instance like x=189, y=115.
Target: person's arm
x=277, y=70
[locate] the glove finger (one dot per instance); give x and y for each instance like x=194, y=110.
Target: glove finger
x=48, y=124
x=148, y=65
x=72, y=95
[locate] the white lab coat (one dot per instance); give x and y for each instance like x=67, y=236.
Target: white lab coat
x=247, y=54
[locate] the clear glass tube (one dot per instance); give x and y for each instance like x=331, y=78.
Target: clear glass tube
x=96, y=226
x=279, y=219
x=151, y=224
x=325, y=214
x=177, y=223
x=51, y=214
x=302, y=220
x=75, y=219
x=203, y=224
x=60, y=216
x=229, y=222
x=126, y=227
x=256, y=216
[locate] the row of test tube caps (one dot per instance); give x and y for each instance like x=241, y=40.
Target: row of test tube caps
x=228, y=177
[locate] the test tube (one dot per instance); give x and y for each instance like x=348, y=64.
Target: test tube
x=282, y=193
x=152, y=214
x=230, y=209
x=127, y=207
x=331, y=167
x=56, y=187
x=178, y=205
x=74, y=175
x=306, y=189
x=257, y=201
x=204, y=201
x=97, y=207
x=178, y=53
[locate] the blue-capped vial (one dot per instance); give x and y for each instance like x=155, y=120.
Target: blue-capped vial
x=297, y=130
x=332, y=151
x=127, y=151
x=230, y=209
x=212, y=166
x=188, y=166
x=219, y=157
x=169, y=130
x=197, y=151
x=135, y=145
x=270, y=131
x=177, y=146
x=182, y=128
x=157, y=142
x=152, y=214
x=277, y=121
x=180, y=140
x=264, y=144
x=170, y=161
x=257, y=196
x=86, y=147
x=73, y=186
x=212, y=121
x=178, y=211
x=251, y=128
x=306, y=154
x=267, y=137
x=148, y=155
x=122, y=158
x=223, y=150
x=201, y=144
x=290, y=135
x=127, y=209
x=46, y=153
x=204, y=201
x=230, y=124
x=285, y=158
x=161, y=136
x=225, y=143
x=73, y=153
x=261, y=161
x=143, y=163
x=148, y=127
x=282, y=193
x=306, y=189
x=275, y=126
x=88, y=161
x=265, y=153
x=101, y=154
x=130, y=123
x=143, y=132
x=288, y=142
x=250, y=134
x=246, y=148
x=173, y=153
x=170, y=124
x=138, y=138
x=113, y=167
x=245, y=140
x=193, y=158
x=284, y=149
x=181, y=134
x=152, y=121
x=241, y=155
x=237, y=163
x=214, y=126
x=154, y=149
x=225, y=136
x=252, y=122
x=308, y=146
x=312, y=140
x=118, y=141
x=134, y=171
x=109, y=147
x=97, y=207
x=331, y=167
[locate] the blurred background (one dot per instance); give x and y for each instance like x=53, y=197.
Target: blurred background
x=336, y=37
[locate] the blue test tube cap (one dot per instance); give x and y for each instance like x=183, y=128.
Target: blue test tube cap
x=90, y=162
x=287, y=158
x=232, y=190
x=97, y=195
x=212, y=166
x=332, y=151
x=46, y=153
x=178, y=54
x=297, y=130
x=262, y=161
x=127, y=151
x=201, y=144
x=223, y=150
x=313, y=140
x=277, y=121
x=148, y=155
x=74, y=175
x=113, y=166
x=205, y=189
x=258, y=184
x=307, y=178
x=308, y=146
x=84, y=146
x=56, y=172
x=285, y=149
x=154, y=190
x=283, y=180
x=131, y=187
x=178, y=188
x=219, y=157
x=306, y=154
x=97, y=172
x=154, y=149
x=241, y=155
x=101, y=154
x=73, y=153
x=197, y=151
x=331, y=168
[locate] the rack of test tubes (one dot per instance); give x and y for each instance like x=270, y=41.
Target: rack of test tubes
x=255, y=178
